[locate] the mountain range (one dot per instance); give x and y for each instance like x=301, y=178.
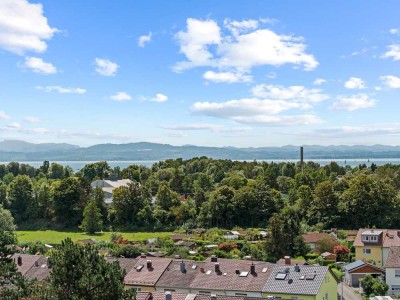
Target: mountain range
x=13, y=150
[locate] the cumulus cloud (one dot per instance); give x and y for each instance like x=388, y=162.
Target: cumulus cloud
x=391, y=81
x=144, y=39
x=296, y=92
x=159, y=98
x=106, y=67
x=3, y=115
x=121, y=96
x=355, y=83
x=31, y=119
x=61, y=90
x=228, y=77
x=244, y=46
x=23, y=27
x=354, y=102
x=393, y=52
x=319, y=81
x=394, y=30
x=13, y=125
x=280, y=120
x=38, y=65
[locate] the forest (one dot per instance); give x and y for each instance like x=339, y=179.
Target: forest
x=203, y=192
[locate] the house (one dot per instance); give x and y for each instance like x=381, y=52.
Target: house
x=329, y=256
x=178, y=276
x=180, y=237
x=231, y=277
x=146, y=273
x=301, y=282
x=392, y=267
x=170, y=295
x=312, y=238
x=359, y=269
x=373, y=245
x=108, y=186
x=32, y=266
x=287, y=260
x=126, y=264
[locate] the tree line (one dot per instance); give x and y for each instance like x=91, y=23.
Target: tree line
x=204, y=192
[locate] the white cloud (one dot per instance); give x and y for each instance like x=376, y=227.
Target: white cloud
x=355, y=83
x=23, y=27
x=228, y=77
x=319, y=81
x=239, y=51
x=37, y=65
x=144, y=39
x=3, y=115
x=391, y=81
x=206, y=127
x=61, y=90
x=357, y=131
x=393, y=52
x=394, y=30
x=31, y=119
x=353, y=102
x=296, y=93
x=13, y=125
x=159, y=98
x=244, y=107
x=121, y=96
x=106, y=67
x=280, y=120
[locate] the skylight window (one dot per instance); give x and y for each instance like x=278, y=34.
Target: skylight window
x=243, y=274
x=310, y=276
x=280, y=276
x=194, y=267
x=264, y=270
x=139, y=267
x=208, y=272
x=302, y=277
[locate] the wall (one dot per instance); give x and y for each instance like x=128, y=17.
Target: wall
x=392, y=280
x=376, y=254
x=329, y=288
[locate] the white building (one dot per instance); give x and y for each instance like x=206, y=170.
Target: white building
x=392, y=267
x=108, y=186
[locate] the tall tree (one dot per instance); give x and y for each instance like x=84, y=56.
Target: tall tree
x=92, y=218
x=20, y=197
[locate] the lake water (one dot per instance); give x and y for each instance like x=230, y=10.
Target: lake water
x=77, y=165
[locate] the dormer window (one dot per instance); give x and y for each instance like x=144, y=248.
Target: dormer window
x=371, y=236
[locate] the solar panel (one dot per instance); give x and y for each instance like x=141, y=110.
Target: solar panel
x=280, y=276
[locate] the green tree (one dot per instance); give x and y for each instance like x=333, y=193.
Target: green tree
x=373, y=286
x=20, y=197
x=56, y=171
x=92, y=218
x=166, y=198
x=81, y=273
x=3, y=194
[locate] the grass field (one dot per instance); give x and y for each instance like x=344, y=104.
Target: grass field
x=55, y=237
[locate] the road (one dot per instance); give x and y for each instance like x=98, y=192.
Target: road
x=348, y=293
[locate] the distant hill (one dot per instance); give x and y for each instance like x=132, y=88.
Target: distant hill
x=23, y=151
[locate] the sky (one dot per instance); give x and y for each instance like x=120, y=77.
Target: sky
x=209, y=73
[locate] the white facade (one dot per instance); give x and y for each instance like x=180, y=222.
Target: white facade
x=108, y=186
x=393, y=281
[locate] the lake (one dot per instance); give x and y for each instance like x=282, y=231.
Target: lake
x=77, y=165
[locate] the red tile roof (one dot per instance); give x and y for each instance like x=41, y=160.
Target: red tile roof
x=147, y=276
x=388, y=238
x=314, y=237
x=393, y=259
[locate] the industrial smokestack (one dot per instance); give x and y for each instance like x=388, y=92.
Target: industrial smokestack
x=301, y=158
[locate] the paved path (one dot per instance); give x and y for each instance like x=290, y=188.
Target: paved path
x=348, y=293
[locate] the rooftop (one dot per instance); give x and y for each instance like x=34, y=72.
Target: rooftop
x=147, y=271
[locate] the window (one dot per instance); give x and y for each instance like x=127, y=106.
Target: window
x=241, y=294
x=169, y=290
x=367, y=251
x=137, y=289
x=204, y=293
x=397, y=273
x=374, y=238
x=395, y=287
x=280, y=276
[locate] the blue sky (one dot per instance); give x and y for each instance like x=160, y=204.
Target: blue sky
x=210, y=73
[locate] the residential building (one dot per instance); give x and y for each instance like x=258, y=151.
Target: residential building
x=301, y=282
x=32, y=266
x=287, y=260
x=392, y=267
x=373, y=245
x=146, y=272
x=108, y=186
x=357, y=270
x=312, y=238
x=329, y=256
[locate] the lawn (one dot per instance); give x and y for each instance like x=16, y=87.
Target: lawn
x=55, y=237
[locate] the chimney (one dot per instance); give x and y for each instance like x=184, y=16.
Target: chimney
x=142, y=255
x=36, y=263
x=150, y=296
x=19, y=261
x=182, y=267
x=149, y=264
x=253, y=269
x=213, y=297
x=168, y=295
x=288, y=260
x=214, y=258
x=217, y=268
x=296, y=268
x=237, y=271
x=202, y=270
